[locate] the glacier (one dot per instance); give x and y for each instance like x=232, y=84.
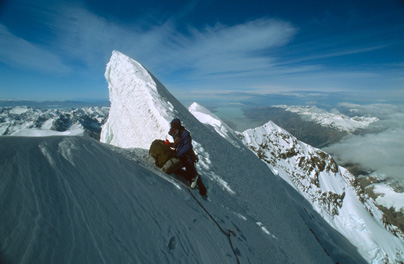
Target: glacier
x=74, y=199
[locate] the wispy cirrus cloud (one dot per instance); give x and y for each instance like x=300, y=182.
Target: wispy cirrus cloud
x=213, y=54
x=19, y=53
x=245, y=57
x=335, y=53
x=212, y=51
x=236, y=48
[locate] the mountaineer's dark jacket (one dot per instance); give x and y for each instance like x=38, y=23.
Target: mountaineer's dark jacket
x=184, y=145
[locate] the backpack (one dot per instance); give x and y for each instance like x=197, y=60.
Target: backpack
x=161, y=152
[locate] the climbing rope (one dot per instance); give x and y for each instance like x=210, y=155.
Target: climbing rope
x=229, y=233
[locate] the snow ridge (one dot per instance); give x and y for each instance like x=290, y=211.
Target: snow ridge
x=142, y=109
x=206, y=117
x=76, y=200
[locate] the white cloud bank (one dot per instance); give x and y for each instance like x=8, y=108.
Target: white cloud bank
x=383, y=151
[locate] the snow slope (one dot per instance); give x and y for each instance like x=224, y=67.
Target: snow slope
x=75, y=200
x=207, y=117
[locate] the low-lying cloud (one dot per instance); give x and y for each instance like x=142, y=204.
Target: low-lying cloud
x=382, y=151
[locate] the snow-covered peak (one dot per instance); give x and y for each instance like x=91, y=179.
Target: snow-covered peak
x=18, y=110
x=208, y=118
x=334, y=120
x=136, y=103
x=331, y=189
x=309, y=168
x=264, y=130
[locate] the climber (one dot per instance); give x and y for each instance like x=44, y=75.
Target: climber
x=184, y=155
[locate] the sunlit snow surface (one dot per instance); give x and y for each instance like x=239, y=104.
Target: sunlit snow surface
x=389, y=198
x=75, y=200
x=142, y=109
x=139, y=113
x=206, y=117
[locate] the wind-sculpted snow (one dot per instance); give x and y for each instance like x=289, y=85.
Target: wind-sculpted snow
x=74, y=200
x=138, y=112
x=206, y=117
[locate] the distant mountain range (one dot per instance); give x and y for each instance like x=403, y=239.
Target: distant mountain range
x=310, y=124
x=53, y=104
x=23, y=120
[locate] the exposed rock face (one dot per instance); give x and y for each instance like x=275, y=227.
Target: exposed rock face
x=332, y=190
x=280, y=149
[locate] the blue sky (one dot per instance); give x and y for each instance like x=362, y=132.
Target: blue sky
x=229, y=51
